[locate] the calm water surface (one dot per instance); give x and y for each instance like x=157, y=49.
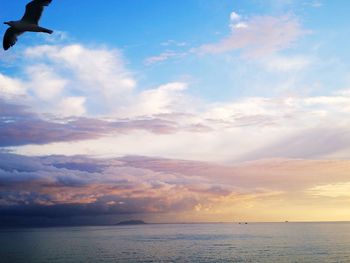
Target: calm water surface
x=263, y=242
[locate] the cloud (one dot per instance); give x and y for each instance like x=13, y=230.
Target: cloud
x=60, y=186
x=172, y=52
x=335, y=190
x=277, y=174
x=11, y=87
x=100, y=68
x=59, y=75
x=20, y=126
x=165, y=99
x=258, y=36
x=61, y=113
x=72, y=106
x=320, y=142
x=161, y=57
x=254, y=37
x=172, y=42
x=76, y=81
x=45, y=82
x=277, y=63
x=234, y=16
x=167, y=122
x=91, y=187
x=58, y=37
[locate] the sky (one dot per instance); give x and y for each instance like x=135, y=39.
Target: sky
x=177, y=111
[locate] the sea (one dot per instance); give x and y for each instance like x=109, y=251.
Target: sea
x=226, y=242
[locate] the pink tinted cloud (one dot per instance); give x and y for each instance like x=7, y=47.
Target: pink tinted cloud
x=20, y=126
x=59, y=186
x=260, y=35
x=254, y=37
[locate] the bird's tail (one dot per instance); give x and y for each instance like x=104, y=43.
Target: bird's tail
x=45, y=30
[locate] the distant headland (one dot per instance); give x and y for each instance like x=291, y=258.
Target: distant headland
x=131, y=222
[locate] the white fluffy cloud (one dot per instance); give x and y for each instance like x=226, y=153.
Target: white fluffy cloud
x=98, y=74
x=235, y=16
x=245, y=129
x=44, y=82
x=71, y=80
x=10, y=87
x=167, y=98
x=72, y=106
x=75, y=80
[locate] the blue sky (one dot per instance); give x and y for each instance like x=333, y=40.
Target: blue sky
x=139, y=28
x=238, y=109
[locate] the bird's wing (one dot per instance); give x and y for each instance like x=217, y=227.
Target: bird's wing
x=34, y=10
x=10, y=37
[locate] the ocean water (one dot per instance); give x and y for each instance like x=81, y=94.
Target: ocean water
x=259, y=242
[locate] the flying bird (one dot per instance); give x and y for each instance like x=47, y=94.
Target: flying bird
x=29, y=22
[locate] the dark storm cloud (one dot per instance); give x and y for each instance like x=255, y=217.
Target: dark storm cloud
x=61, y=187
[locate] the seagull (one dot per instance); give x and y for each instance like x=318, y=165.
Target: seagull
x=29, y=22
